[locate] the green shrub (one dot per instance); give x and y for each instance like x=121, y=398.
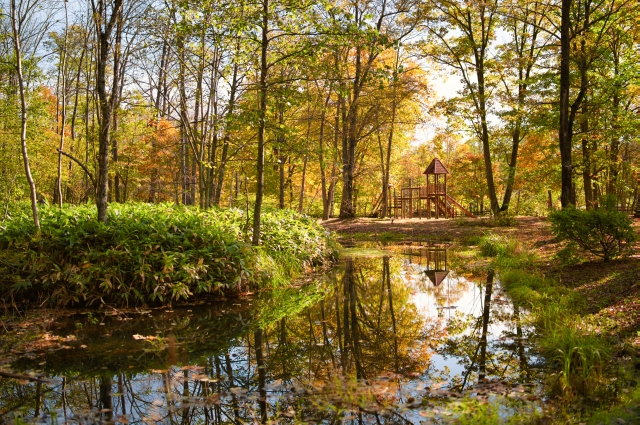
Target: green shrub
x=568, y=255
x=604, y=232
x=579, y=356
x=471, y=240
x=495, y=245
x=149, y=253
x=516, y=278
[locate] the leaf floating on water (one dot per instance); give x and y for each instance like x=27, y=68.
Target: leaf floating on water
x=145, y=338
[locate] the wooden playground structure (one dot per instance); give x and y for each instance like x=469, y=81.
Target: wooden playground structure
x=430, y=201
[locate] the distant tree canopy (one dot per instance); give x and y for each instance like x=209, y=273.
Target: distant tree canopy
x=318, y=106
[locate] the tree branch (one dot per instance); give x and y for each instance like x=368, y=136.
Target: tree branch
x=84, y=167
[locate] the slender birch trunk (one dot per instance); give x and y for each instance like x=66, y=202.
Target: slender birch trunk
x=23, y=115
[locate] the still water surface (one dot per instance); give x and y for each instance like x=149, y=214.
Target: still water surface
x=397, y=334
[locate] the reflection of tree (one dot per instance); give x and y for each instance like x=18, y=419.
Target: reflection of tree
x=262, y=376
x=485, y=355
x=28, y=398
x=386, y=277
x=106, y=403
x=482, y=362
x=362, y=341
x=363, y=328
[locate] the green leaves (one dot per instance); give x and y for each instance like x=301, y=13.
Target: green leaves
x=605, y=232
x=149, y=253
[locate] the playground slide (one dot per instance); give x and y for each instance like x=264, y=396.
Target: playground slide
x=460, y=207
x=376, y=207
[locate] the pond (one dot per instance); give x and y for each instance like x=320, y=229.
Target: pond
x=393, y=334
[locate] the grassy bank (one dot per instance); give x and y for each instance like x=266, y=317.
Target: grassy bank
x=151, y=254
x=590, y=355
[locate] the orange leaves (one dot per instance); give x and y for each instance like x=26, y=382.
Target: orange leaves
x=152, y=160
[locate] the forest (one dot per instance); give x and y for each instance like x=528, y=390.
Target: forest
x=316, y=106
x=200, y=218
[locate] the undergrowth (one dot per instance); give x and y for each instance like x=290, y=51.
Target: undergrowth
x=151, y=254
x=577, y=352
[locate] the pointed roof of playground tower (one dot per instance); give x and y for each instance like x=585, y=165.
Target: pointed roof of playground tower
x=436, y=167
x=436, y=276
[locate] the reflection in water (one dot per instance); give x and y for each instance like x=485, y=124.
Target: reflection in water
x=372, y=345
x=482, y=373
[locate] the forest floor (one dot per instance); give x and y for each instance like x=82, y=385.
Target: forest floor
x=612, y=287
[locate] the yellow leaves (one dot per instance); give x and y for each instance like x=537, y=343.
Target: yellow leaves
x=145, y=338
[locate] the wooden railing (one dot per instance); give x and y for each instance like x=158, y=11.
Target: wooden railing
x=439, y=189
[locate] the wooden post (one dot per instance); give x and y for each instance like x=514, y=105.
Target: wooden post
x=437, y=197
x=445, y=259
x=410, y=198
x=446, y=209
x=395, y=204
x=428, y=199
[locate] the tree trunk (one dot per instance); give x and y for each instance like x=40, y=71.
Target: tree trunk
x=586, y=163
x=564, y=134
x=568, y=111
x=323, y=165
x=262, y=113
x=349, y=142
x=114, y=156
x=23, y=116
x=511, y=176
x=303, y=179
x=160, y=94
x=486, y=150
x=280, y=142
x=331, y=198
x=104, y=29
x=63, y=91
x=615, y=112
x=386, y=168
x=225, y=142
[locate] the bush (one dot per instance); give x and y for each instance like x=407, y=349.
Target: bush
x=494, y=245
x=604, y=232
x=148, y=253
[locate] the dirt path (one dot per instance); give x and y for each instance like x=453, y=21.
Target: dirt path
x=529, y=229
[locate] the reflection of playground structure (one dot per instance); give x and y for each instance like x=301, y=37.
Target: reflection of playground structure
x=432, y=258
